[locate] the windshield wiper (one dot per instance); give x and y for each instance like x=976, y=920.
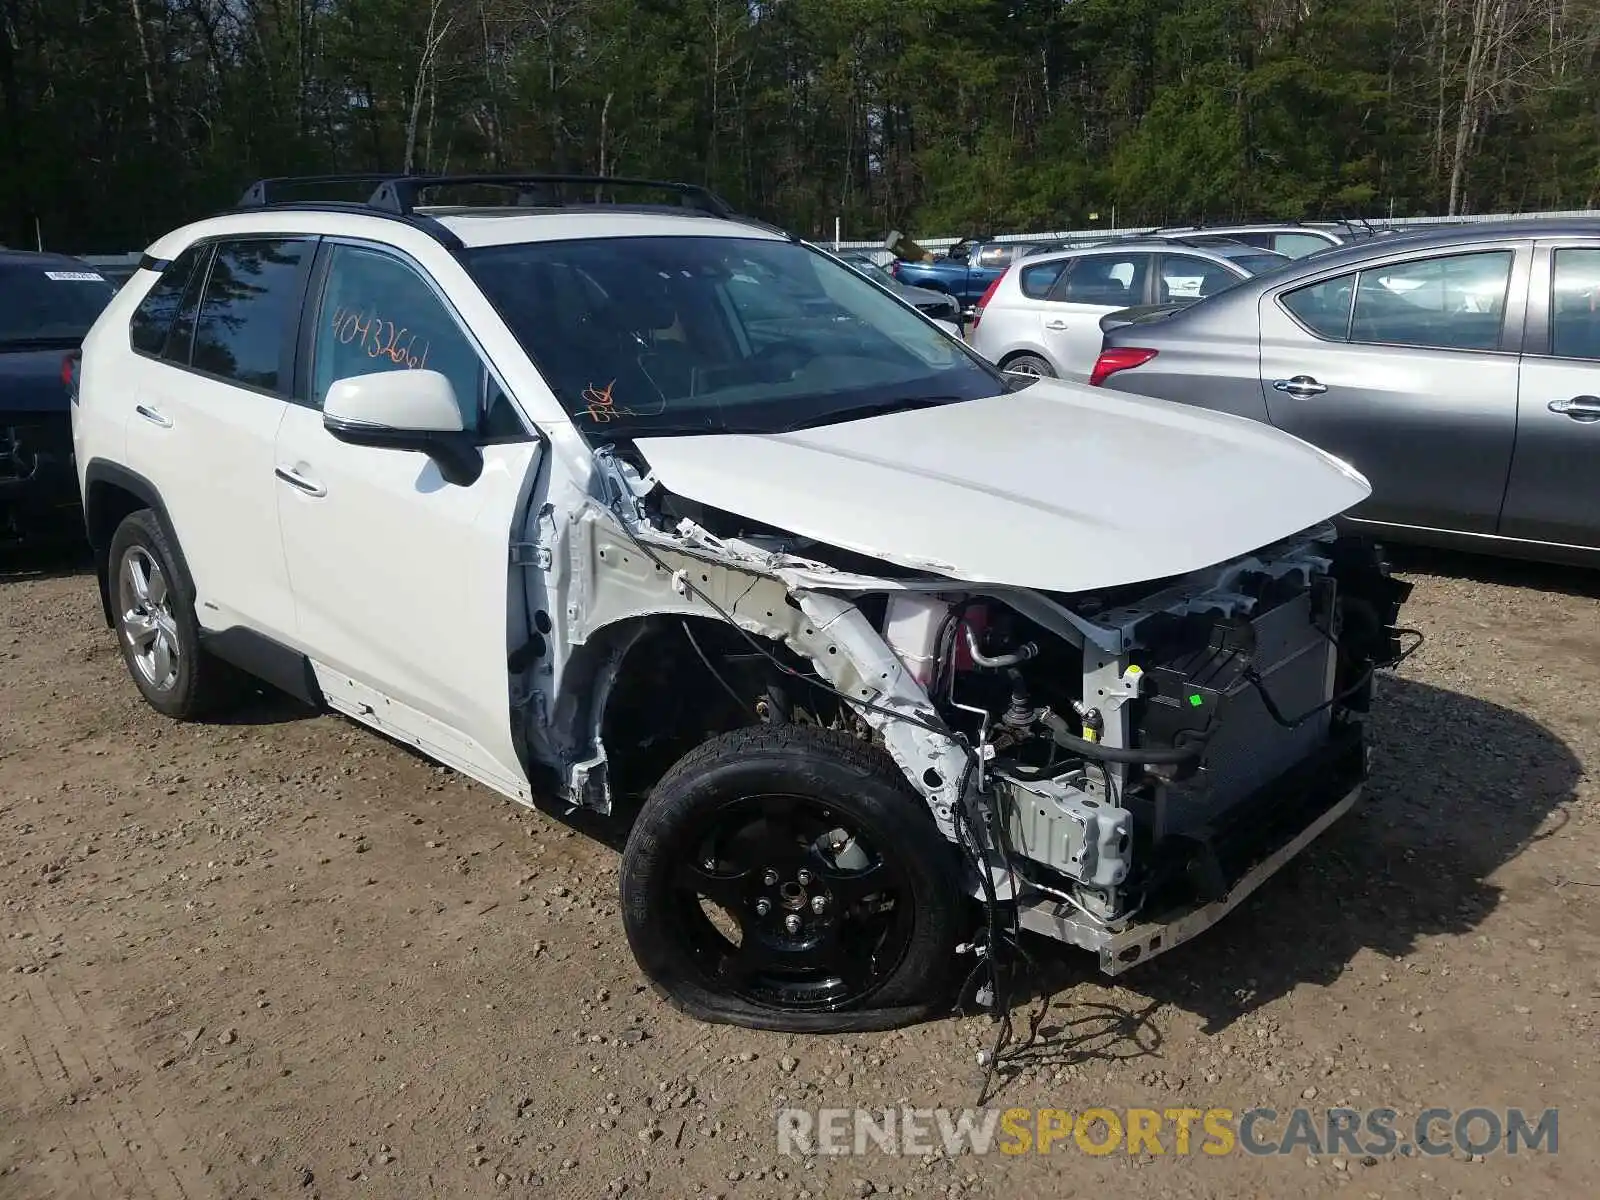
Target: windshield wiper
x=647, y=429
x=862, y=412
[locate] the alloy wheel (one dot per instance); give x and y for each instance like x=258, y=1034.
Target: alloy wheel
x=145, y=601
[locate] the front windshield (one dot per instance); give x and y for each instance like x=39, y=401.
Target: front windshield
x=49, y=301
x=656, y=336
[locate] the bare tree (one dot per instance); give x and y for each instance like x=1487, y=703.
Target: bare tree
x=426, y=74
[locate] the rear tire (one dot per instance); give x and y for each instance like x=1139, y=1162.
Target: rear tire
x=834, y=934
x=152, y=604
x=1030, y=364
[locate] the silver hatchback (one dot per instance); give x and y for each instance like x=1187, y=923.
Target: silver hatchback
x=1042, y=317
x=1458, y=369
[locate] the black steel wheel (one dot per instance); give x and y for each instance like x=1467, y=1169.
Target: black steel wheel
x=786, y=878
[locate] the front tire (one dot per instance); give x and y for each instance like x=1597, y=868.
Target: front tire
x=786, y=878
x=153, y=608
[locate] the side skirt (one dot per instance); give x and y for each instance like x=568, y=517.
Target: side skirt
x=258, y=655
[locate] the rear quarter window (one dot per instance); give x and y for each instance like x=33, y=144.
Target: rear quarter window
x=152, y=320
x=1324, y=307
x=1036, y=282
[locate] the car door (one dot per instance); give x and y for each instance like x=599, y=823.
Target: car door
x=1554, y=491
x=1407, y=370
x=1092, y=286
x=401, y=581
x=211, y=384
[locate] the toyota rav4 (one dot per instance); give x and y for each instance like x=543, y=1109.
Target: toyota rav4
x=654, y=510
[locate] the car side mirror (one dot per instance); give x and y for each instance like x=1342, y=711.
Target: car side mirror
x=404, y=410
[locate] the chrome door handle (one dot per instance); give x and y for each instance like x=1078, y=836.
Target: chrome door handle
x=1579, y=408
x=1302, y=387
x=1055, y=323
x=151, y=415
x=295, y=480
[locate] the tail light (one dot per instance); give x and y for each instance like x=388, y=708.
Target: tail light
x=988, y=294
x=70, y=365
x=894, y=267
x=1120, y=358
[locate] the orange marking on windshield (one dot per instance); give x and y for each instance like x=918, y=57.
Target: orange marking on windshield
x=602, y=407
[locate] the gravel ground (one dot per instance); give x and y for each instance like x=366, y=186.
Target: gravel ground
x=283, y=957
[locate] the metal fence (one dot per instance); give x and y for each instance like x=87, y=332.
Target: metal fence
x=880, y=254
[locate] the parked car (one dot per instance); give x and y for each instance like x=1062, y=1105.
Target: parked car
x=935, y=305
x=1458, y=368
x=1042, y=317
x=1287, y=238
x=47, y=304
x=852, y=626
x=964, y=274
x=1077, y=243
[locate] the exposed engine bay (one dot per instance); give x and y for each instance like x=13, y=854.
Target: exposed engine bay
x=1114, y=763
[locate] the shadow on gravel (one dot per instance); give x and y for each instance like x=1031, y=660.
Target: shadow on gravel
x=1505, y=572
x=59, y=562
x=268, y=706
x=1459, y=787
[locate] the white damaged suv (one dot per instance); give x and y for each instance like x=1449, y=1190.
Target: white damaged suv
x=654, y=510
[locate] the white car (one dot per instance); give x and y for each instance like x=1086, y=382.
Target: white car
x=855, y=631
x=1042, y=317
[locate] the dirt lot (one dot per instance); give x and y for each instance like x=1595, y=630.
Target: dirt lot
x=282, y=957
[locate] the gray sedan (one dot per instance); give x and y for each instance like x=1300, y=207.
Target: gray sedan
x=1457, y=369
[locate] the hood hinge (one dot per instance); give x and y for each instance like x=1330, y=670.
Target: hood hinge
x=526, y=554
x=539, y=554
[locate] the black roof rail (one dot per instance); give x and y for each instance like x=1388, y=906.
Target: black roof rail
x=434, y=228
x=396, y=197
x=400, y=194
x=265, y=192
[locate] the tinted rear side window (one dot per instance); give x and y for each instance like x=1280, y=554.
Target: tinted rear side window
x=1454, y=302
x=42, y=300
x=252, y=300
x=1575, y=307
x=1184, y=277
x=152, y=320
x=1110, y=280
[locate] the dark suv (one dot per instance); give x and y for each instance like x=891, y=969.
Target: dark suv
x=47, y=303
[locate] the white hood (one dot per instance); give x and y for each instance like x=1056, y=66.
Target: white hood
x=1060, y=487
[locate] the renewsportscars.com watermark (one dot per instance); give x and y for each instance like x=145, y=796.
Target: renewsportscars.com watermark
x=1375, y=1132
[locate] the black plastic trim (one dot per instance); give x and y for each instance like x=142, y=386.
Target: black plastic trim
x=114, y=475
x=271, y=662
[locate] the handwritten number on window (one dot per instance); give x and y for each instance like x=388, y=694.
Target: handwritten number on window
x=381, y=338
x=602, y=408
